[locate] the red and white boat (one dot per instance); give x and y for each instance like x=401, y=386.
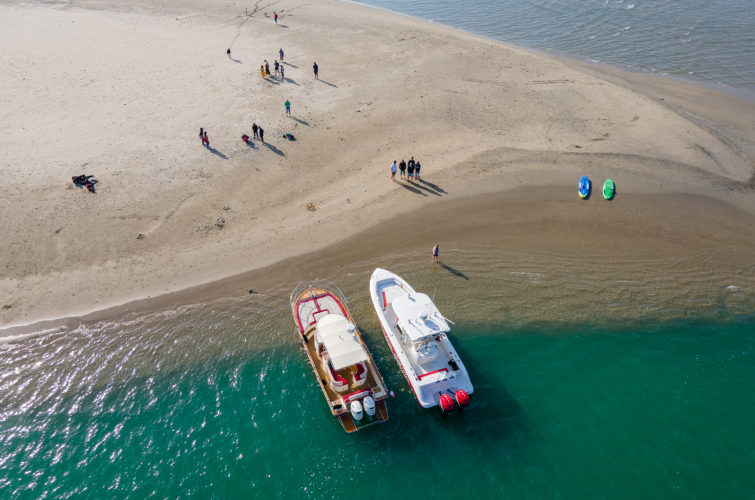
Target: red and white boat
x=351, y=383
x=416, y=332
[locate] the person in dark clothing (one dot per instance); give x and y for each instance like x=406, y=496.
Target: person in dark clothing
x=417, y=166
x=316, y=69
x=402, y=170
x=276, y=65
x=262, y=135
x=254, y=130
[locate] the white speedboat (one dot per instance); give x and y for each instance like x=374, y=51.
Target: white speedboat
x=342, y=364
x=416, y=332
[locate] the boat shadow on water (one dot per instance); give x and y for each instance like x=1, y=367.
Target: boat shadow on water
x=494, y=424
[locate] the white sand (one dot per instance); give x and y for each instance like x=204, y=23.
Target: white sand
x=121, y=95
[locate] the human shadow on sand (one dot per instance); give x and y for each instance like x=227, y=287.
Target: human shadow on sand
x=328, y=83
x=433, y=186
x=289, y=64
x=273, y=80
x=274, y=149
x=299, y=120
x=216, y=152
x=289, y=80
x=426, y=188
x=411, y=188
x=453, y=271
x=236, y=61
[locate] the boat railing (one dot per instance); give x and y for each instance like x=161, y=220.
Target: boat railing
x=317, y=283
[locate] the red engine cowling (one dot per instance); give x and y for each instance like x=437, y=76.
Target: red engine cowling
x=461, y=398
x=446, y=404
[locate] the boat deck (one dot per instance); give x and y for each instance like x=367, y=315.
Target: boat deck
x=334, y=397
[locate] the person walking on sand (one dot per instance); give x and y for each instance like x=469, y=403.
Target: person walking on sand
x=275, y=16
x=275, y=67
x=283, y=76
x=262, y=71
x=393, y=171
x=402, y=168
x=267, y=68
x=262, y=135
x=287, y=104
x=205, y=140
x=254, y=131
x=316, y=69
x=436, y=252
x=280, y=53
x=201, y=134
x=229, y=53
x=416, y=170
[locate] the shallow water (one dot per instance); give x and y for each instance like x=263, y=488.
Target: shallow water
x=637, y=388
x=707, y=42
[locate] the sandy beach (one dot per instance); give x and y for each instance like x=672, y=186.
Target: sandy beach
x=503, y=134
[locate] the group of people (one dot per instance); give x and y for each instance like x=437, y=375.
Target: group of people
x=258, y=133
x=203, y=137
x=278, y=68
x=407, y=170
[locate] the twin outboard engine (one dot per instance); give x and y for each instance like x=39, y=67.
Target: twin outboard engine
x=460, y=400
x=356, y=411
x=369, y=406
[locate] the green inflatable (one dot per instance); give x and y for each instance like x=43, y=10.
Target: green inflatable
x=608, y=189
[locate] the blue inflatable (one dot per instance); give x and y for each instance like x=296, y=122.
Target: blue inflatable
x=584, y=187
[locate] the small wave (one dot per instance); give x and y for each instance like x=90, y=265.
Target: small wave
x=22, y=336
x=630, y=6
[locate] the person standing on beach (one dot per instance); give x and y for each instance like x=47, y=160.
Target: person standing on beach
x=287, y=104
x=280, y=53
x=267, y=68
x=262, y=135
x=229, y=53
x=254, y=130
x=201, y=134
x=275, y=16
x=275, y=67
x=393, y=171
x=416, y=170
x=205, y=140
x=410, y=171
x=282, y=73
x=402, y=168
x=436, y=252
x=316, y=68
x=262, y=71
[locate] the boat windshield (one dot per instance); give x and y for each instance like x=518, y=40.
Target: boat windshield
x=340, y=340
x=418, y=316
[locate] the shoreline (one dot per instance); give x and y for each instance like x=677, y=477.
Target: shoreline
x=747, y=94
x=722, y=129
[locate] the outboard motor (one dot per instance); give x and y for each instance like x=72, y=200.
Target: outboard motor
x=356, y=411
x=369, y=406
x=446, y=404
x=461, y=398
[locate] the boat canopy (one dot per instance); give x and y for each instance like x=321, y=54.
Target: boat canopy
x=418, y=316
x=339, y=337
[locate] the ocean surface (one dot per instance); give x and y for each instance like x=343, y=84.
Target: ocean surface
x=589, y=384
x=710, y=42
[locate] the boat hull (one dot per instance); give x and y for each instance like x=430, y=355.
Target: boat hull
x=429, y=381
x=308, y=303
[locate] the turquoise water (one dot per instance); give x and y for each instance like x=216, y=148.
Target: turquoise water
x=703, y=41
x=218, y=400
